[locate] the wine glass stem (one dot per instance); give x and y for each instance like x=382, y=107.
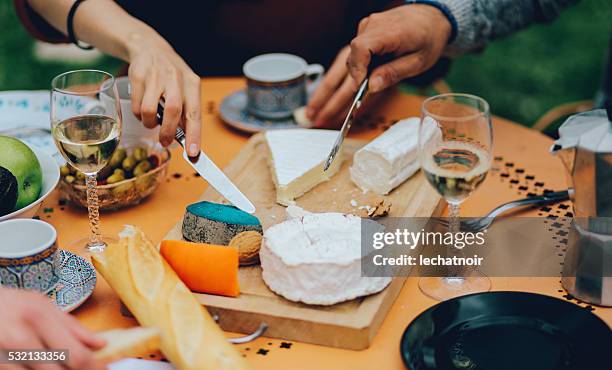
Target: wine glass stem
x=453, y=217
x=93, y=210
x=454, y=228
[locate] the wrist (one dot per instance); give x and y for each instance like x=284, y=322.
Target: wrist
x=142, y=39
x=446, y=20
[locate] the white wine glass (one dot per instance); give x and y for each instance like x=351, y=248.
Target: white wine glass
x=455, y=149
x=86, y=131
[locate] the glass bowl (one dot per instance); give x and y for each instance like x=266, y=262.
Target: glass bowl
x=125, y=193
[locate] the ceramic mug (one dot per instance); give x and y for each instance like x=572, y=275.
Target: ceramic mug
x=132, y=129
x=276, y=84
x=28, y=255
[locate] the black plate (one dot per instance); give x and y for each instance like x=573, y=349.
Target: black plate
x=507, y=331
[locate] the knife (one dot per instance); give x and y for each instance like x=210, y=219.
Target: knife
x=375, y=61
x=209, y=171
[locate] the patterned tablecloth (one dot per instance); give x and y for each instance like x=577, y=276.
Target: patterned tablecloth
x=522, y=165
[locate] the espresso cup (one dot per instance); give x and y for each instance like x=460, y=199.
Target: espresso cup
x=132, y=129
x=28, y=253
x=277, y=84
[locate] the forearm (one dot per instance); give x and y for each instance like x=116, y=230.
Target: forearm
x=480, y=21
x=101, y=23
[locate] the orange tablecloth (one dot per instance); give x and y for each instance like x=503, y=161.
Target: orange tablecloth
x=520, y=154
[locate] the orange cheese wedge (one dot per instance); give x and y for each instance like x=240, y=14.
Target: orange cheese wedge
x=204, y=268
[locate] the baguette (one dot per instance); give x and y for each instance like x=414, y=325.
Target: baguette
x=152, y=291
x=122, y=343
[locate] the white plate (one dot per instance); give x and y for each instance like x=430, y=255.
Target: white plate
x=30, y=109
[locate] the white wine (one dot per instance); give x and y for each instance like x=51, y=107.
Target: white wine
x=87, y=141
x=456, y=168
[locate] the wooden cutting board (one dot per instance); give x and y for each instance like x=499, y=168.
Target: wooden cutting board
x=350, y=325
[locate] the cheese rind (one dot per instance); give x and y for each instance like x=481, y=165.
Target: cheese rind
x=214, y=223
x=316, y=259
x=296, y=160
x=390, y=159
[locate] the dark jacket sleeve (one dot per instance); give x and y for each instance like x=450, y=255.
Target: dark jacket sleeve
x=36, y=25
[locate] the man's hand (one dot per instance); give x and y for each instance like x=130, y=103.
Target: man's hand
x=415, y=34
x=332, y=97
x=157, y=71
x=31, y=322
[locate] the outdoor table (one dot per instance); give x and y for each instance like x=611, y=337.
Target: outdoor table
x=522, y=164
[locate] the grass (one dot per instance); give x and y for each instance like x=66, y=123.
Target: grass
x=528, y=73
x=522, y=76
x=19, y=70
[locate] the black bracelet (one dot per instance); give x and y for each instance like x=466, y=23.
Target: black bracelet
x=70, y=26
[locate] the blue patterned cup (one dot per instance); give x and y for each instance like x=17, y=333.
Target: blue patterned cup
x=277, y=84
x=28, y=255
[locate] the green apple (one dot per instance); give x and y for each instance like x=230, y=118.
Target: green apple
x=21, y=161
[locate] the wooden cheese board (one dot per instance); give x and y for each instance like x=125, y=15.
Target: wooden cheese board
x=349, y=325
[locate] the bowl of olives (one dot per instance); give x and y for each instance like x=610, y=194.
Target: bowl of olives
x=132, y=174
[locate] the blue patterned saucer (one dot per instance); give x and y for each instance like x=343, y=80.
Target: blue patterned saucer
x=234, y=113
x=76, y=281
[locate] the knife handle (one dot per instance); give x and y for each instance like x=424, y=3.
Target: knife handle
x=377, y=60
x=180, y=134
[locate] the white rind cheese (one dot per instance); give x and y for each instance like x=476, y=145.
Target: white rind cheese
x=296, y=160
x=316, y=259
x=390, y=159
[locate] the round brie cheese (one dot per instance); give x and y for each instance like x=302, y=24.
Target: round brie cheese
x=316, y=259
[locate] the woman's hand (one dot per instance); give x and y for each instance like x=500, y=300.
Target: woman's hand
x=31, y=322
x=156, y=71
x=415, y=34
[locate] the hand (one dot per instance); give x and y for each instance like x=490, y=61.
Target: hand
x=329, y=104
x=157, y=71
x=415, y=34
x=30, y=321
x=334, y=94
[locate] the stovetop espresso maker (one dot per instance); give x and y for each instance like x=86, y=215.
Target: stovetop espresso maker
x=585, y=147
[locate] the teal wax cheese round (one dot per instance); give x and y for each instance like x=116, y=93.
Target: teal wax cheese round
x=214, y=223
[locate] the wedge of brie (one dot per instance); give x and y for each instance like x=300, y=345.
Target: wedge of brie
x=296, y=160
x=315, y=258
x=390, y=159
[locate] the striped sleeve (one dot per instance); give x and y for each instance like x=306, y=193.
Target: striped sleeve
x=480, y=21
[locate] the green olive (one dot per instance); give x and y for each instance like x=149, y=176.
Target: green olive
x=129, y=163
x=64, y=170
x=69, y=179
x=119, y=171
x=117, y=158
x=139, y=154
x=142, y=168
x=80, y=176
x=115, y=177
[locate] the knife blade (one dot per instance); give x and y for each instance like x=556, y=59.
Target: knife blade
x=375, y=61
x=206, y=168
